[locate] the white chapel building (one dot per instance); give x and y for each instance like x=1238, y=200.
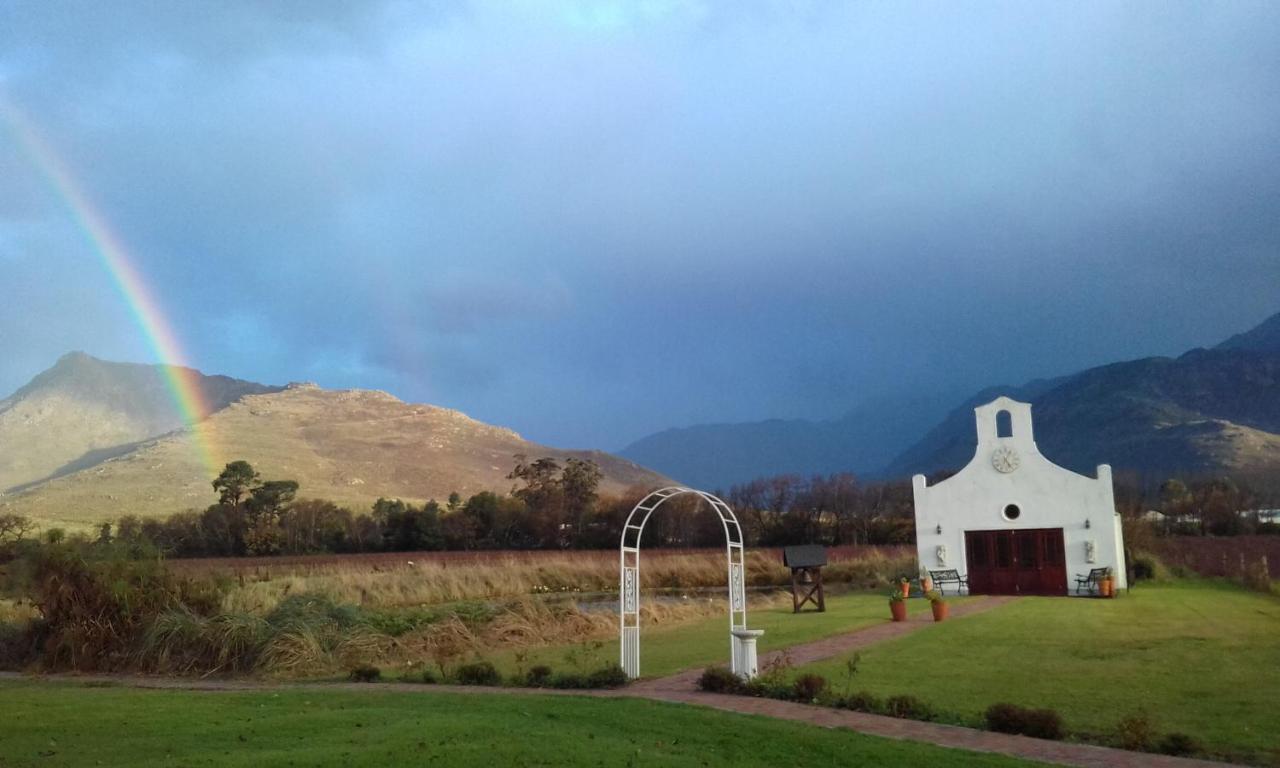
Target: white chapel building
x=1014, y=522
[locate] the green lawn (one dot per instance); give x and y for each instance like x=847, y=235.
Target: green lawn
x=1198, y=657
x=53, y=724
x=665, y=650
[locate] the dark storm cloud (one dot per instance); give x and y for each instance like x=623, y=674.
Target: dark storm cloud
x=592, y=220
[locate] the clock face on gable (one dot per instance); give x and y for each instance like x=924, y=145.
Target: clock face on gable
x=1005, y=459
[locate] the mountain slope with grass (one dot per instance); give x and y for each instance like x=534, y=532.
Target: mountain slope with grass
x=83, y=411
x=348, y=446
x=1207, y=411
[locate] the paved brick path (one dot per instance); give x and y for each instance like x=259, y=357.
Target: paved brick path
x=1059, y=752
x=682, y=688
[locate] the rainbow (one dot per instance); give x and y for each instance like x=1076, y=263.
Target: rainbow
x=183, y=382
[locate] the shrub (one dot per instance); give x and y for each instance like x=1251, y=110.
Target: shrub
x=365, y=674
x=611, y=676
x=311, y=608
x=477, y=673
x=808, y=688
x=862, y=701
x=428, y=677
x=568, y=681
x=13, y=647
x=1038, y=723
x=1179, y=745
x=1144, y=567
x=538, y=677
x=908, y=707
x=1135, y=732
x=719, y=680
x=98, y=601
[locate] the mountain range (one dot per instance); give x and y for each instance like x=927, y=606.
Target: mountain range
x=90, y=440
x=1207, y=411
x=721, y=455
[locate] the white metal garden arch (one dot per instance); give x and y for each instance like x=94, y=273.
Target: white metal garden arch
x=741, y=640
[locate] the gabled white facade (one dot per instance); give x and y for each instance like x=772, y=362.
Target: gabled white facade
x=1010, y=486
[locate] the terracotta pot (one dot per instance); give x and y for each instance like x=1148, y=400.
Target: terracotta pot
x=1104, y=587
x=926, y=585
x=939, y=610
x=906, y=590
x=899, y=610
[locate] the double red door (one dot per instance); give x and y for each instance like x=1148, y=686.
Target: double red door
x=1021, y=562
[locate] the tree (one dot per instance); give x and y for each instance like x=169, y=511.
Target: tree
x=272, y=497
x=540, y=480
x=578, y=483
x=223, y=526
x=14, y=528
x=263, y=534
x=543, y=496
x=235, y=483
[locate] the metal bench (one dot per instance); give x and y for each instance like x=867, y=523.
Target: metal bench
x=1091, y=581
x=949, y=576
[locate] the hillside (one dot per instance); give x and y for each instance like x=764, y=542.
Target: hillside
x=350, y=446
x=84, y=410
x=1215, y=410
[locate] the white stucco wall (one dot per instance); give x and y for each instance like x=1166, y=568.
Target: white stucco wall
x=1048, y=496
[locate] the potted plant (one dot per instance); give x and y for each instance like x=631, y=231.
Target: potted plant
x=939, y=606
x=905, y=585
x=898, y=605
x=926, y=581
x=1105, y=585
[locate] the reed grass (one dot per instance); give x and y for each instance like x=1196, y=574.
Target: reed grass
x=505, y=576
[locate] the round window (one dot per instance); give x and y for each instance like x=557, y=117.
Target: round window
x=1011, y=512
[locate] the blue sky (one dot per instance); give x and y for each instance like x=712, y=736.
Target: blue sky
x=592, y=220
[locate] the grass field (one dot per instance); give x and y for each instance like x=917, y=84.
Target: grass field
x=67, y=725
x=1201, y=658
x=665, y=650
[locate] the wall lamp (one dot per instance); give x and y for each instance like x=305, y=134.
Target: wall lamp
x=939, y=528
x=1086, y=523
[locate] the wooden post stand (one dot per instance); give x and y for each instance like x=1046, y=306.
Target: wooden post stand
x=806, y=564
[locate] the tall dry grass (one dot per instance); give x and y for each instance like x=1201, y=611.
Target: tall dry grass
x=414, y=583
x=312, y=635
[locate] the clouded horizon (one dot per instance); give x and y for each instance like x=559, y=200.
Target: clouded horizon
x=589, y=221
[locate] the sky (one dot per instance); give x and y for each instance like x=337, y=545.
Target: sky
x=589, y=221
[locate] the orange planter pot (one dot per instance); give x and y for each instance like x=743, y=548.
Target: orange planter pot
x=899, y=611
x=1104, y=588
x=906, y=590
x=926, y=585
x=940, y=611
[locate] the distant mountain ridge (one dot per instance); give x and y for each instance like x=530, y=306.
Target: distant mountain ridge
x=1207, y=411
x=1265, y=337
x=347, y=446
x=84, y=410
x=717, y=456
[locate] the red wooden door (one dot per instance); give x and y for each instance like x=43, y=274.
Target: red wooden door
x=1020, y=562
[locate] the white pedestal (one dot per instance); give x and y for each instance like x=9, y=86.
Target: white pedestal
x=744, y=652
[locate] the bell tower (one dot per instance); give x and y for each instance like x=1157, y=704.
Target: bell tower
x=1004, y=422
